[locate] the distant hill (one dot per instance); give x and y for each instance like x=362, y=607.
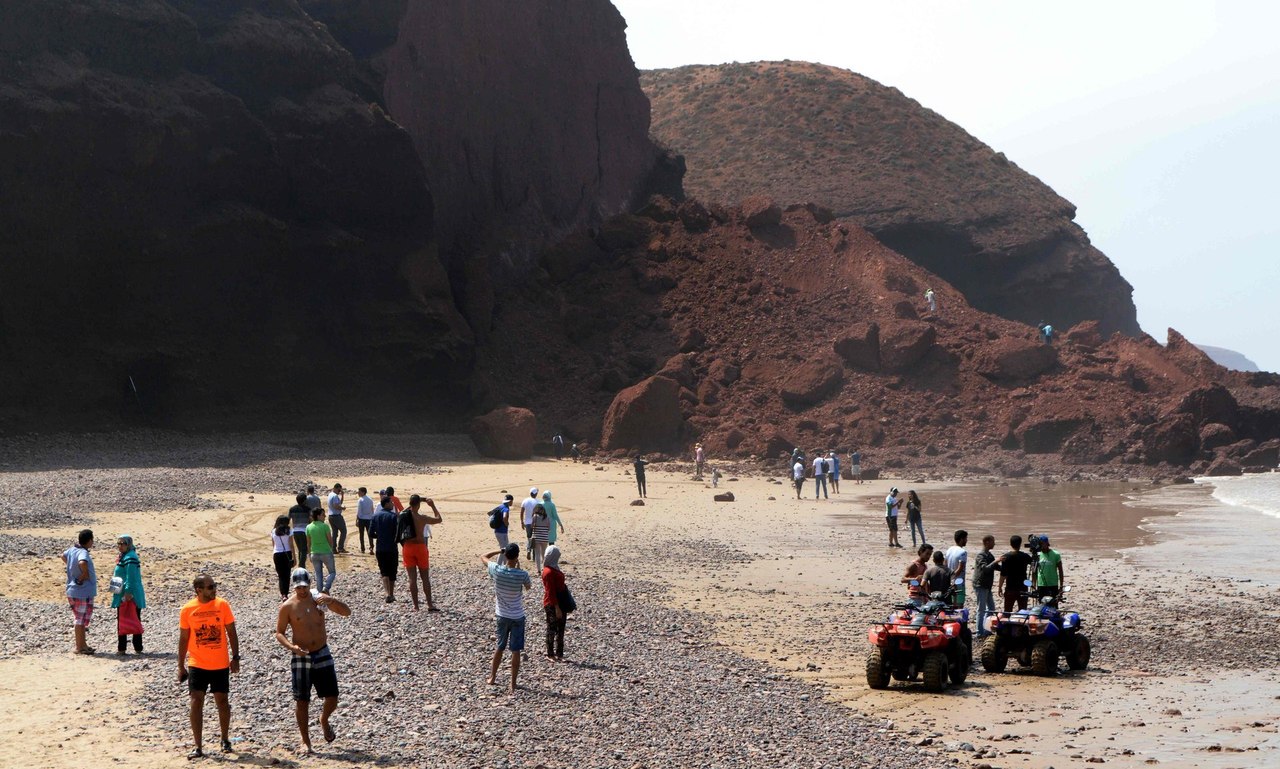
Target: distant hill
x=802, y=132
x=1229, y=358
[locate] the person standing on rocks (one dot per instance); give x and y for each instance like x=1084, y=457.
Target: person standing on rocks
x=855, y=466
x=915, y=572
x=820, y=475
x=336, y=520
x=82, y=587
x=1013, y=567
x=914, y=520
x=797, y=477
x=526, y=509
x=699, y=460
x=983, y=576
x=416, y=553
x=932, y=299
x=892, y=504
x=382, y=530
x=553, y=517
x=575, y=453
x=129, y=571
x=364, y=515
x=638, y=468
x=833, y=471
x=958, y=562
x=509, y=582
x=282, y=554
x=206, y=628
x=320, y=542
x=299, y=519
x=312, y=663
x=552, y=584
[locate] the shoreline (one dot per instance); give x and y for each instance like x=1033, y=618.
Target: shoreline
x=789, y=585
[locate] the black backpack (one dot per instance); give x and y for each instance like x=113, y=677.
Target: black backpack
x=405, y=530
x=495, y=517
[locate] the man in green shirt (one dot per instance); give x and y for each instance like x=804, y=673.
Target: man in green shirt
x=1049, y=576
x=320, y=543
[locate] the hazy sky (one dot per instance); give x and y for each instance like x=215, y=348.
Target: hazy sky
x=1159, y=120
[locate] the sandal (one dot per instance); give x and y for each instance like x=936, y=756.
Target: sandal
x=195, y=753
x=87, y=650
x=226, y=746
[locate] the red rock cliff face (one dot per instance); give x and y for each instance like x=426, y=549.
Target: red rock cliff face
x=919, y=183
x=529, y=119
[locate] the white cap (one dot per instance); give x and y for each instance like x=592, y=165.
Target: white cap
x=533, y=492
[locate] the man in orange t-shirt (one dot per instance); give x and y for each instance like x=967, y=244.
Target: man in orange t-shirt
x=206, y=627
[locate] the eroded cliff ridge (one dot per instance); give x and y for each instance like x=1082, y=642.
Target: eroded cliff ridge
x=923, y=186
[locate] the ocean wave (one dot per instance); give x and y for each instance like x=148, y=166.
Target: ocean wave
x=1259, y=492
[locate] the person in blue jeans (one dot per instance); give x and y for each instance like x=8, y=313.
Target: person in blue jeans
x=983, y=577
x=820, y=476
x=509, y=584
x=913, y=517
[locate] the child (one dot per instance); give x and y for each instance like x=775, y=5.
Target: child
x=715, y=477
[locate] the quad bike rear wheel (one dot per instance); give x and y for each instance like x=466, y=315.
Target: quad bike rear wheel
x=1078, y=659
x=1044, y=658
x=877, y=671
x=963, y=659
x=935, y=671
x=994, y=658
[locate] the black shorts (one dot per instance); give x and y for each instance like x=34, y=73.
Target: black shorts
x=212, y=681
x=388, y=563
x=892, y=520
x=314, y=670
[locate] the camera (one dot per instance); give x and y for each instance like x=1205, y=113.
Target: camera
x=1033, y=544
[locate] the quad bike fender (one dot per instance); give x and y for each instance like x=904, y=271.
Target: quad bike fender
x=934, y=638
x=1050, y=630
x=878, y=636
x=1071, y=621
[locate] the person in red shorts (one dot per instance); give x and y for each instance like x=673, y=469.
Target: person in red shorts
x=414, y=551
x=206, y=627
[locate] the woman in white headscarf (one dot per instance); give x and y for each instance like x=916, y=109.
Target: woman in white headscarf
x=552, y=584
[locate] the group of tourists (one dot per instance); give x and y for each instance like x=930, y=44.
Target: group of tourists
x=208, y=643
x=938, y=571
x=825, y=469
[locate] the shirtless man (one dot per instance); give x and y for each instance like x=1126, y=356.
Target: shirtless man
x=416, y=554
x=915, y=573
x=312, y=665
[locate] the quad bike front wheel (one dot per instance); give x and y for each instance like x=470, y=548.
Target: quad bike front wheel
x=1044, y=658
x=1078, y=659
x=960, y=668
x=994, y=658
x=877, y=671
x=935, y=671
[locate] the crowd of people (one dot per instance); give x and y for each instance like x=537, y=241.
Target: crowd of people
x=314, y=532
x=825, y=470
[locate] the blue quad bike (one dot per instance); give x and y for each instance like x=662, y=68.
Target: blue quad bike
x=1037, y=637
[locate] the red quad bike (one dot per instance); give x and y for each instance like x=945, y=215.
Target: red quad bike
x=919, y=638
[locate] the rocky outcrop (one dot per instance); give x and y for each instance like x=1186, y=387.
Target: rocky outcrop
x=645, y=416
x=1013, y=359
x=811, y=382
x=905, y=343
x=859, y=346
x=921, y=184
x=505, y=433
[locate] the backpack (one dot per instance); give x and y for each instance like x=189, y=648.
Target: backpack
x=495, y=517
x=820, y=468
x=405, y=530
x=565, y=599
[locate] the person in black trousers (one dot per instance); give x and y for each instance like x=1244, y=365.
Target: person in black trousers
x=282, y=544
x=639, y=470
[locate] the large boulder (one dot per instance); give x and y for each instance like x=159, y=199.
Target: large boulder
x=645, y=416
x=1215, y=435
x=905, y=343
x=859, y=346
x=812, y=382
x=506, y=432
x=1012, y=359
x=1223, y=466
x=761, y=211
x=1046, y=435
x=1213, y=403
x=1173, y=439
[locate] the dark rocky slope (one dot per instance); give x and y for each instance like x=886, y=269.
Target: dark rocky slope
x=926, y=188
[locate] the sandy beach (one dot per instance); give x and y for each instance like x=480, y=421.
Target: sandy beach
x=727, y=634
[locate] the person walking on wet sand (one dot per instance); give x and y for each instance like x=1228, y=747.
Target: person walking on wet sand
x=892, y=504
x=509, y=582
x=206, y=629
x=638, y=468
x=312, y=663
x=914, y=521
x=797, y=477
x=82, y=587
x=416, y=553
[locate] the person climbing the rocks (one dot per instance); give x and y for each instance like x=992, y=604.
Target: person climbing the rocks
x=855, y=465
x=1046, y=332
x=638, y=468
x=932, y=299
x=892, y=504
x=915, y=572
x=311, y=666
x=914, y=520
x=797, y=476
x=833, y=471
x=820, y=476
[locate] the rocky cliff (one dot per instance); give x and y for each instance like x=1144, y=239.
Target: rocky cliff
x=922, y=185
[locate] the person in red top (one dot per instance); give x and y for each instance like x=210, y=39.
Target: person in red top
x=206, y=628
x=552, y=583
x=390, y=493
x=915, y=573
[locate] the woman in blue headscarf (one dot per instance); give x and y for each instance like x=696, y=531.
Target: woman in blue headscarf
x=553, y=518
x=129, y=572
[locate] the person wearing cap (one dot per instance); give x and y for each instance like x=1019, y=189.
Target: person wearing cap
x=509, y=582
x=382, y=529
x=206, y=629
x=504, y=523
x=336, y=521
x=311, y=666
x=892, y=504
x=526, y=508
x=414, y=551
x=1048, y=575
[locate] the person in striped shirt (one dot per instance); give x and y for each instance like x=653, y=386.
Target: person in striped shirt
x=509, y=584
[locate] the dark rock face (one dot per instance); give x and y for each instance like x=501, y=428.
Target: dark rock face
x=905, y=343
x=859, y=346
x=202, y=209
x=1173, y=439
x=921, y=184
x=505, y=433
x=646, y=415
x=811, y=382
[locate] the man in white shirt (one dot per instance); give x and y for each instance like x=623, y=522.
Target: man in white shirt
x=797, y=477
x=892, y=504
x=336, y=521
x=820, y=476
x=957, y=560
x=526, y=507
x=364, y=516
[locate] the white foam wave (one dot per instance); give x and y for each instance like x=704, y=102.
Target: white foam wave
x=1259, y=492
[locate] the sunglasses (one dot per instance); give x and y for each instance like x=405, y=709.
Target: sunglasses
x=210, y=586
